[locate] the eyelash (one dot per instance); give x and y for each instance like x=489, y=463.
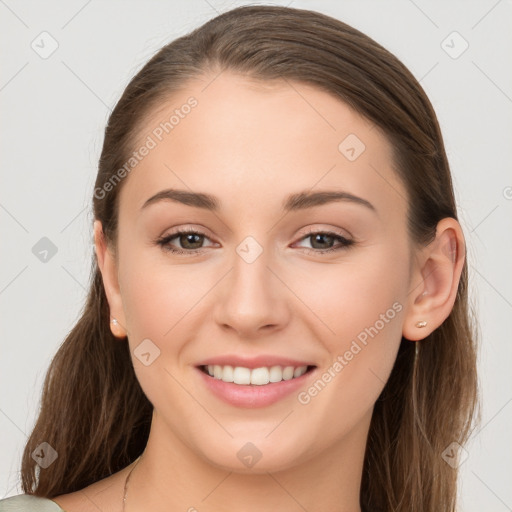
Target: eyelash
x=164, y=242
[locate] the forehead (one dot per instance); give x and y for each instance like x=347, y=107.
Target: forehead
x=251, y=143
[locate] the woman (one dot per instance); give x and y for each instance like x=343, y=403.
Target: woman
x=219, y=361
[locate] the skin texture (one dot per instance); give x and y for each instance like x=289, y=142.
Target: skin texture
x=252, y=144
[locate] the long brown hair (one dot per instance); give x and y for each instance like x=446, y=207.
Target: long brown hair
x=93, y=410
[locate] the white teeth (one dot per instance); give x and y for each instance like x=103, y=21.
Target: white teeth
x=276, y=374
x=227, y=374
x=217, y=371
x=301, y=370
x=288, y=373
x=260, y=376
x=256, y=376
x=241, y=375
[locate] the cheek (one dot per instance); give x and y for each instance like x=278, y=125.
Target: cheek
x=351, y=295
x=158, y=302
x=164, y=303
x=362, y=304
x=158, y=296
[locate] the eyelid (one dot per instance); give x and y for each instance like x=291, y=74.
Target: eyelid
x=309, y=230
x=344, y=242
x=337, y=231
x=177, y=230
x=185, y=230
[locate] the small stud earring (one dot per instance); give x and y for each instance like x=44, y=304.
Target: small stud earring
x=117, y=330
x=421, y=324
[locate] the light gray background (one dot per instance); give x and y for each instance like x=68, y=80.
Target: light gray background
x=53, y=113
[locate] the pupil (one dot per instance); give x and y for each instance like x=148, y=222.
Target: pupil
x=189, y=238
x=328, y=237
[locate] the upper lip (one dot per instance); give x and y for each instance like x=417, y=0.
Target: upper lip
x=253, y=362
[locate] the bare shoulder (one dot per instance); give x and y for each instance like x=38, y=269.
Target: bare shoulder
x=105, y=495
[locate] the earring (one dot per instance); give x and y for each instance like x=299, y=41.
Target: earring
x=117, y=329
x=421, y=324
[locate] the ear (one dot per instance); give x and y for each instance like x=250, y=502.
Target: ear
x=108, y=268
x=435, y=280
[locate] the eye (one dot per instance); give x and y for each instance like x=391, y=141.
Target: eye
x=325, y=239
x=191, y=242
x=189, y=239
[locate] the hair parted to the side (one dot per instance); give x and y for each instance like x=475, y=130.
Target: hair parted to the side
x=93, y=411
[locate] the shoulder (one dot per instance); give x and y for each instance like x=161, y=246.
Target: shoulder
x=28, y=503
x=104, y=495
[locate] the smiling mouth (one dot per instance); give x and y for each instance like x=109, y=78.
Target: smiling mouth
x=255, y=376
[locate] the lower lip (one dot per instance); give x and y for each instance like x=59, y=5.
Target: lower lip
x=252, y=396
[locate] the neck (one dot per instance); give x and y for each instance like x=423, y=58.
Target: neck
x=171, y=476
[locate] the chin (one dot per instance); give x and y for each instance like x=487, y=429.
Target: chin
x=257, y=456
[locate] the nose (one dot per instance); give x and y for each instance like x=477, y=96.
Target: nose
x=252, y=301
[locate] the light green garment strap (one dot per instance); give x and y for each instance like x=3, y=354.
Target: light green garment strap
x=28, y=503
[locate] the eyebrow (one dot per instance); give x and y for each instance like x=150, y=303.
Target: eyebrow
x=294, y=202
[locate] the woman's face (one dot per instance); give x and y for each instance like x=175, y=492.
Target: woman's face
x=255, y=288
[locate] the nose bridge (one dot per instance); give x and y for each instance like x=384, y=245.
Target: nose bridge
x=251, y=279
x=251, y=297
